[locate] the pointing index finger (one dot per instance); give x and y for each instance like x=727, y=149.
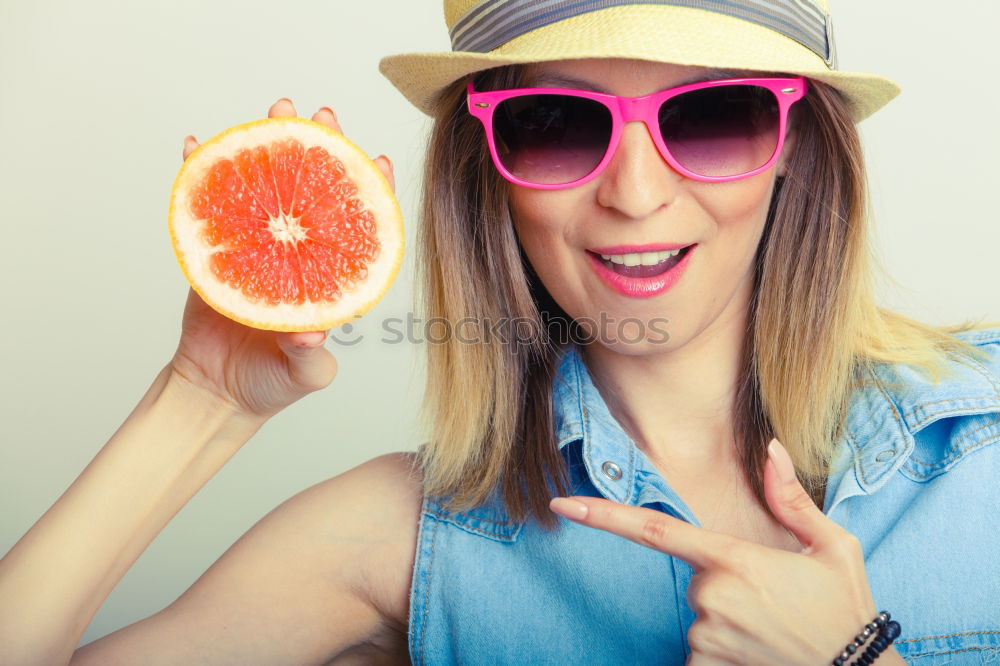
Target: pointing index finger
x=699, y=547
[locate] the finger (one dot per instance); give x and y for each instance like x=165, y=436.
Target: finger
x=283, y=108
x=190, y=145
x=385, y=166
x=326, y=116
x=698, y=547
x=791, y=503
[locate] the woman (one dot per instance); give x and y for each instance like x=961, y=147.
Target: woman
x=651, y=305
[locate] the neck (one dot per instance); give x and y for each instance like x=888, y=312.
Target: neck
x=678, y=405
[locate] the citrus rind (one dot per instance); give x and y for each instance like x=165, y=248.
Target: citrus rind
x=193, y=252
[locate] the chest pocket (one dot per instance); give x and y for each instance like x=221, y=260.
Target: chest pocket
x=490, y=519
x=486, y=520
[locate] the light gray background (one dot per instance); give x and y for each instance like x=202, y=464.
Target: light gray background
x=95, y=99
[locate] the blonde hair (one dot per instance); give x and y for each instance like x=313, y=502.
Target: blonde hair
x=814, y=331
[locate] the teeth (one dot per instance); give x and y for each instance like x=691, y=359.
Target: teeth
x=643, y=258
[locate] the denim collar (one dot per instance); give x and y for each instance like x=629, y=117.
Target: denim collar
x=877, y=439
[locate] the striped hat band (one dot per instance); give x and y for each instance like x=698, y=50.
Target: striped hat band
x=491, y=23
x=793, y=37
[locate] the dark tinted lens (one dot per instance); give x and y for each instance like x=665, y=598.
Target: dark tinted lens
x=551, y=139
x=721, y=131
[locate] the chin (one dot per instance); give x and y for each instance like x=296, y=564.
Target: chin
x=629, y=334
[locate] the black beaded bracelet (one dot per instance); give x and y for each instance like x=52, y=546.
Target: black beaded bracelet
x=888, y=631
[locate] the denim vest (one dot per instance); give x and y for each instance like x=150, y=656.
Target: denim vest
x=920, y=489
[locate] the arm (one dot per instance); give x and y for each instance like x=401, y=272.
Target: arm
x=326, y=571
x=324, y=574
x=171, y=444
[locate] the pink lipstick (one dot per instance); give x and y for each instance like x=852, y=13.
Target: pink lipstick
x=641, y=281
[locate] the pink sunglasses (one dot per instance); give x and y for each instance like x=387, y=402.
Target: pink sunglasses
x=714, y=131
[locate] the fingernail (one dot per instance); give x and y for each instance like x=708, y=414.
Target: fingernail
x=782, y=461
x=569, y=508
x=284, y=98
x=313, y=340
x=328, y=110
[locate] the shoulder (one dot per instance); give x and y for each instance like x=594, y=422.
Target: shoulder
x=368, y=519
x=386, y=495
x=384, y=501
x=988, y=340
x=370, y=503
x=970, y=382
x=909, y=422
x=957, y=416
x=973, y=380
x=975, y=375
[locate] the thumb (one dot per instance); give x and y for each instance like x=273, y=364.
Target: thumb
x=310, y=364
x=791, y=503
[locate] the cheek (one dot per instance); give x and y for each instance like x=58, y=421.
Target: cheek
x=538, y=227
x=540, y=221
x=740, y=200
x=740, y=211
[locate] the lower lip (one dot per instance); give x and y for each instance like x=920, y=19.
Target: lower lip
x=640, y=287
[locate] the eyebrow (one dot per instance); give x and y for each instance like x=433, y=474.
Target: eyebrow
x=552, y=80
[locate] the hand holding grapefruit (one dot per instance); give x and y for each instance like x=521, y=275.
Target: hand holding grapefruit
x=269, y=275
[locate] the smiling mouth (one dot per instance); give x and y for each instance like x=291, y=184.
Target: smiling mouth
x=643, y=264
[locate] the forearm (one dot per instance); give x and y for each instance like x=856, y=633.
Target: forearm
x=58, y=574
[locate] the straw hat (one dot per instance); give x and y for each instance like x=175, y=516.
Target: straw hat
x=787, y=36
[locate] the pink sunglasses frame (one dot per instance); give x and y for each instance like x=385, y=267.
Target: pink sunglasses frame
x=787, y=91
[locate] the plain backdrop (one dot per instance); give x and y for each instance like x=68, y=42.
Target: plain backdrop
x=95, y=99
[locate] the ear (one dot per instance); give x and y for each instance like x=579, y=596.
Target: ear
x=788, y=148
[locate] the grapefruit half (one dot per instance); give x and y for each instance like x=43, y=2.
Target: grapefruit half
x=284, y=224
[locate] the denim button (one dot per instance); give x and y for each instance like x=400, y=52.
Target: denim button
x=612, y=470
x=885, y=455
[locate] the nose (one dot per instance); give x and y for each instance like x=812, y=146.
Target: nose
x=638, y=181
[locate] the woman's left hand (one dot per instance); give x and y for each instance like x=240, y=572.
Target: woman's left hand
x=755, y=604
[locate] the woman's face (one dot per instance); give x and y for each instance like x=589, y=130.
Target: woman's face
x=640, y=200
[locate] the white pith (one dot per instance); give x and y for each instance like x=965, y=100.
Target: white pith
x=640, y=258
x=373, y=190
x=286, y=228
